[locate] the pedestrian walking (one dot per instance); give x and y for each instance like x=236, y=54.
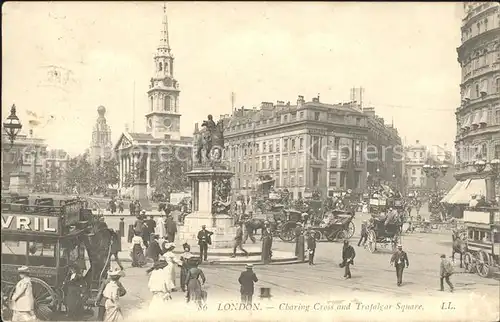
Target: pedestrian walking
x=348, y=255
x=364, y=233
x=311, y=247
x=151, y=225
x=22, y=301
x=204, y=239
x=154, y=250
x=185, y=257
x=101, y=300
x=112, y=293
x=247, y=280
x=131, y=208
x=170, y=228
x=115, y=247
x=249, y=229
x=169, y=270
x=136, y=252
x=139, y=229
x=195, y=294
x=158, y=287
x=267, y=243
x=446, y=270
x=238, y=241
x=120, y=206
x=400, y=261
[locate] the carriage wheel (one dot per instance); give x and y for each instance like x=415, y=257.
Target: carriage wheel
x=330, y=235
x=351, y=229
x=372, y=241
x=45, y=299
x=483, y=264
x=342, y=234
x=468, y=263
x=287, y=234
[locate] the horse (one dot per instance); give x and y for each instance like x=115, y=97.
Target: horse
x=210, y=141
x=459, y=246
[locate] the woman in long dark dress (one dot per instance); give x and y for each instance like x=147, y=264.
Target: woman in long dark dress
x=137, y=252
x=193, y=285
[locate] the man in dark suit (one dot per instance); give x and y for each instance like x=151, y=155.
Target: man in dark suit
x=400, y=261
x=311, y=247
x=247, y=280
x=154, y=249
x=170, y=228
x=348, y=255
x=204, y=239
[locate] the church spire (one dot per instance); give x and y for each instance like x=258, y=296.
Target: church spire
x=164, y=40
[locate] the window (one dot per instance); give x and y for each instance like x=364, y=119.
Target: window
x=270, y=162
x=285, y=162
x=497, y=116
x=477, y=90
x=278, y=146
x=285, y=181
x=292, y=181
x=497, y=151
x=166, y=103
x=271, y=144
x=413, y=172
x=151, y=103
x=315, y=174
x=285, y=144
x=316, y=116
x=277, y=162
x=264, y=147
x=358, y=121
x=263, y=163
x=244, y=167
x=292, y=162
x=160, y=67
x=497, y=85
x=301, y=143
x=478, y=27
x=285, y=118
x=484, y=150
x=301, y=181
x=301, y=115
x=292, y=143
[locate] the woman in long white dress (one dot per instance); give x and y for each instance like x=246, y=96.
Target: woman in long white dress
x=158, y=286
x=169, y=271
x=111, y=293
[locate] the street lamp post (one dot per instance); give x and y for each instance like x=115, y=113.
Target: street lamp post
x=494, y=166
x=434, y=171
x=12, y=126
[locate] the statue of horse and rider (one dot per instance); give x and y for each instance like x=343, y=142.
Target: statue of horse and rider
x=210, y=139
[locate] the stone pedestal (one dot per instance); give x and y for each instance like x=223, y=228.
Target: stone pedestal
x=222, y=225
x=141, y=194
x=18, y=183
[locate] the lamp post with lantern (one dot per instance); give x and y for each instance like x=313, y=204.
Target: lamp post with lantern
x=12, y=125
x=493, y=167
x=435, y=171
x=17, y=179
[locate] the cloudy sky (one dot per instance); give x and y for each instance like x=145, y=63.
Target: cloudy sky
x=403, y=54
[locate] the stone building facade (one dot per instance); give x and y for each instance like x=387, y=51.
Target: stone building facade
x=136, y=152
x=302, y=147
x=478, y=116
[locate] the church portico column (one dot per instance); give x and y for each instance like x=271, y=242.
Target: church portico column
x=148, y=168
x=120, y=169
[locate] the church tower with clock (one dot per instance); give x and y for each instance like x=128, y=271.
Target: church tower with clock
x=163, y=117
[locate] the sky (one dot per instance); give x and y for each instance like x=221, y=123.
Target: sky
x=402, y=54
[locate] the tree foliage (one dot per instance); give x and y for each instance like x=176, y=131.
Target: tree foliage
x=88, y=178
x=170, y=175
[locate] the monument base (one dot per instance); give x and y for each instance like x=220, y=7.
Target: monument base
x=141, y=194
x=18, y=183
x=224, y=230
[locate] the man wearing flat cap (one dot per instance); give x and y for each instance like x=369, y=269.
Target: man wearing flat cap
x=23, y=304
x=400, y=261
x=247, y=280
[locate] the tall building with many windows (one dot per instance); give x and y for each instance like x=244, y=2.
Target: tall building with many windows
x=478, y=116
x=305, y=146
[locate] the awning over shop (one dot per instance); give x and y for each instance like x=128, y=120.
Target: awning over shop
x=469, y=188
x=453, y=191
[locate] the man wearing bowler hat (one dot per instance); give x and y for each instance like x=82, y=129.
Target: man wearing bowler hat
x=400, y=261
x=247, y=280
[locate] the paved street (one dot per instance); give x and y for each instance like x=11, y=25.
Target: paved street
x=372, y=275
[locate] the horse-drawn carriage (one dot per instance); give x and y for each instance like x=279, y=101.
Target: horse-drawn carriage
x=481, y=245
x=52, y=241
x=377, y=205
x=335, y=225
x=380, y=233
x=289, y=219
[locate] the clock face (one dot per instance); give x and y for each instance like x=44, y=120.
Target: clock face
x=167, y=123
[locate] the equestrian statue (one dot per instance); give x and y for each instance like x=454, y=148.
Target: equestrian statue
x=210, y=139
